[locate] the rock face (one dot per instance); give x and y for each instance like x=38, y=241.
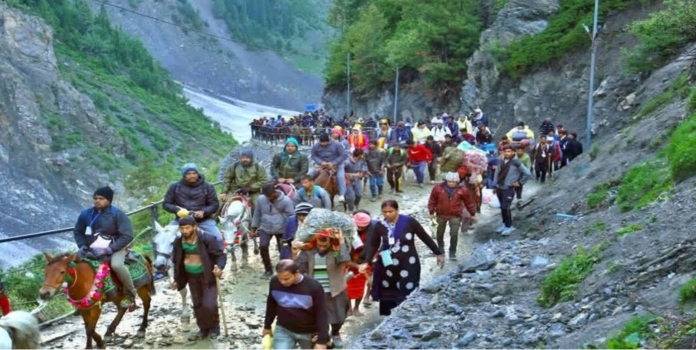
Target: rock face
x=412, y=104
x=39, y=185
x=226, y=67
x=559, y=92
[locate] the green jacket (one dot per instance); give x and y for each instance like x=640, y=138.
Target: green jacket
x=526, y=160
x=289, y=166
x=397, y=158
x=238, y=177
x=452, y=158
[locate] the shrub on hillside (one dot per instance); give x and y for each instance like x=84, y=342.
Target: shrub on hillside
x=564, y=34
x=643, y=184
x=680, y=150
x=662, y=36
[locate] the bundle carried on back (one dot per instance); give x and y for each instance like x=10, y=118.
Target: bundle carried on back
x=320, y=219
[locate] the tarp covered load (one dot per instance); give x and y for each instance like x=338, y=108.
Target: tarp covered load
x=321, y=219
x=476, y=160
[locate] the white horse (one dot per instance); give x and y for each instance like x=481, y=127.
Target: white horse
x=236, y=224
x=163, y=248
x=19, y=330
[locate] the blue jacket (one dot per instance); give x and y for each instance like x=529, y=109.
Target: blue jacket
x=291, y=225
x=111, y=222
x=334, y=153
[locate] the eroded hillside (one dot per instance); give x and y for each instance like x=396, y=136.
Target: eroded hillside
x=257, y=64
x=84, y=105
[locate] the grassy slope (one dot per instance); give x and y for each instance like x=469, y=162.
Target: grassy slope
x=161, y=131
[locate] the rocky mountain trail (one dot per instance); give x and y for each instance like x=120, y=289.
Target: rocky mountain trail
x=244, y=293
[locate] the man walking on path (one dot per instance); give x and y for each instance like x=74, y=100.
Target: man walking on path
x=419, y=157
x=297, y=302
x=270, y=213
x=198, y=260
x=447, y=202
x=396, y=159
x=509, y=174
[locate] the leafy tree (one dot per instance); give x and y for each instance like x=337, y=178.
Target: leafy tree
x=366, y=39
x=431, y=38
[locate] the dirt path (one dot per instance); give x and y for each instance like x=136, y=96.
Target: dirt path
x=245, y=293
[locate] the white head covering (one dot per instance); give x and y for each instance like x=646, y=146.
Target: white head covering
x=451, y=176
x=436, y=121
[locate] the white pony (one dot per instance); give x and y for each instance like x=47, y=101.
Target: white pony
x=163, y=248
x=19, y=330
x=236, y=224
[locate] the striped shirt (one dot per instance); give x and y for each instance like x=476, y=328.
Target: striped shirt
x=321, y=273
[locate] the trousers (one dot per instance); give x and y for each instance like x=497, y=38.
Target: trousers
x=205, y=303
x=118, y=264
x=340, y=178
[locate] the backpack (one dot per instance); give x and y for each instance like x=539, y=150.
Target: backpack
x=236, y=165
x=391, y=149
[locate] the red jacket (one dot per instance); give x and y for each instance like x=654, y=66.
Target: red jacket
x=419, y=153
x=445, y=207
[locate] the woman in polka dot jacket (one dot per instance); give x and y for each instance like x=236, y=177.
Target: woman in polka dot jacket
x=397, y=268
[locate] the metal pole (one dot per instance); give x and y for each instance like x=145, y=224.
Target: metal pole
x=590, y=101
x=348, y=83
x=396, y=93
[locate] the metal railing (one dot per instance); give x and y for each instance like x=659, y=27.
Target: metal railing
x=306, y=136
x=154, y=212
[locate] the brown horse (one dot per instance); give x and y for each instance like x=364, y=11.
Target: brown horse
x=327, y=180
x=80, y=287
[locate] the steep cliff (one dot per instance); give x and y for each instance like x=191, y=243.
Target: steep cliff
x=35, y=178
x=557, y=90
x=223, y=66
x=82, y=106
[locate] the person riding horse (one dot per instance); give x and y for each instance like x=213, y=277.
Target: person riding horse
x=193, y=194
x=289, y=165
x=330, y=155
x=245, y=177
x=104, y=220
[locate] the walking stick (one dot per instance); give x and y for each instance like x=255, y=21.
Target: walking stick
x=222, y=306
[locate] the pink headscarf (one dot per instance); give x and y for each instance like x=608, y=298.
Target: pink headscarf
x=361, y=219
x=336, y=131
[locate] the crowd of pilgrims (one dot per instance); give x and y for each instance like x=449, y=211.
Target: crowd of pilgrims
x=320, y=282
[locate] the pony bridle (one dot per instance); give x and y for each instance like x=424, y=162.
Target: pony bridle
x=57, y=287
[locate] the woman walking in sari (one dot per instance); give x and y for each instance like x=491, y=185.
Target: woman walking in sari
x=397, y=270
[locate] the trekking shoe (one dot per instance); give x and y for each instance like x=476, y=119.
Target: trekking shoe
x=337, y=341
x=507, y=231
x=373, y=199
x=453, y=256
x=214, y=332
x=160, y=274
x=127, y=302
x=501, y=228
x=267, y=274
x=340, y=199
x=420, y=185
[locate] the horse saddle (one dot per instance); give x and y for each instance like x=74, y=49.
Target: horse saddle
x=131, y=257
